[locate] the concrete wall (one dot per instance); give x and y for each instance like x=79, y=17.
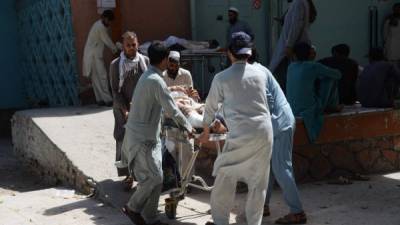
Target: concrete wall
x=151, y=20
x=11, y=85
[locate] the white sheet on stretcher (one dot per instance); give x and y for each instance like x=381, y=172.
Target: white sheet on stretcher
x=195, y=119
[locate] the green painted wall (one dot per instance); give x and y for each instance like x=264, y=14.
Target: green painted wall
x=346, y=21
x=339, y=21
x=11, y=84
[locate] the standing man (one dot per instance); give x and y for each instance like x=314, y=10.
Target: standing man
x=125, y=72
x=236, y=25
x=283, y=124
x=93, y=63
x=295, y=29
x=142, y=144
x=241, y=91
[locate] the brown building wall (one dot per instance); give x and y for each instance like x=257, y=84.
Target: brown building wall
x=151, y=20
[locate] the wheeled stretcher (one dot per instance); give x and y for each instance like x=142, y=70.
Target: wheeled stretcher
x=187, y=179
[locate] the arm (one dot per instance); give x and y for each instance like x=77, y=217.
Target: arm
x=169, y=106
x=326, y=72
x=215, y=96
x=118, y=99
x=297, y=23
x=107, y=40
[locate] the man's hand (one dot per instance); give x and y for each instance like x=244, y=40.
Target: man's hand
x=193, y=94
x=191, y=134
x=218, y=127
x=125, y=112
x=205, y=136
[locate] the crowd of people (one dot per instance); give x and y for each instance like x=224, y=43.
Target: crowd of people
x=256, y=106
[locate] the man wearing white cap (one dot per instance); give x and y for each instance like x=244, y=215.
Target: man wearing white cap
x=236, y=25
x=241, y=91
x=175, y=75
x=178, y=79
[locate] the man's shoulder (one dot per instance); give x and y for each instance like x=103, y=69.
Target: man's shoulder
x=185, y=72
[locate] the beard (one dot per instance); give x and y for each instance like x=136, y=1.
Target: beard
x=172, y=73
x=233, y=21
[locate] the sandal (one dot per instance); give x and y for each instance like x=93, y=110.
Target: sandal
x=359, y=177
x=210, y=223
x=341, y=181
x=135, y=217
x=298, y=218
x=266, y=212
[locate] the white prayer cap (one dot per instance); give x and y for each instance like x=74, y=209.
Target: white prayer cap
x=233, y=9
x=174, y=55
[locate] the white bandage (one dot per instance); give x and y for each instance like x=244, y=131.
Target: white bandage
x=195, y=119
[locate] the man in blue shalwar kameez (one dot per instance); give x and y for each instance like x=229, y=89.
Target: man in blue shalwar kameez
x=312, y=90
x=283, y=124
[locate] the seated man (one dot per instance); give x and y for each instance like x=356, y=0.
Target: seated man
x=349, y=68
x=306, y=99
x=379, y=82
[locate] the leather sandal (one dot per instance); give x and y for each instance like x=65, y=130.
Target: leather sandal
x=298, y=218
x=135, y=217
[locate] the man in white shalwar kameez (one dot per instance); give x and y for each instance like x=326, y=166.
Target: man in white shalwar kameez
x=295, y=30
x=241, y=92
x=93, y=63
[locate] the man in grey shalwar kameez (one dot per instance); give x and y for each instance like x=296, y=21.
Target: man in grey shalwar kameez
x=236, y=25
x=125, y=72
x=241, y=91
x=142, y=144
x=297, y=20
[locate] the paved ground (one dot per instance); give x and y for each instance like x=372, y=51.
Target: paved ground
x=25, y=199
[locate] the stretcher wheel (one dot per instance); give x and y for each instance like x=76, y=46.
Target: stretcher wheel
x=170, y=207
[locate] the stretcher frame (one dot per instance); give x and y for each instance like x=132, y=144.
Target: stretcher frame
x=178, y=194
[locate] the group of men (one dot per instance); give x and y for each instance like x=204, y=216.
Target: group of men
x=258, y=138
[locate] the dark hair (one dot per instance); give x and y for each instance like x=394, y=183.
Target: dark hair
x=342, y=49
x=376, y=54
x=302, y=51
x=313, y=11
x=254, y=56
x=108, y=14
x=157, y=52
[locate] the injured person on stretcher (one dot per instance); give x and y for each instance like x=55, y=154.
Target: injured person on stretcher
x=178, y=148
